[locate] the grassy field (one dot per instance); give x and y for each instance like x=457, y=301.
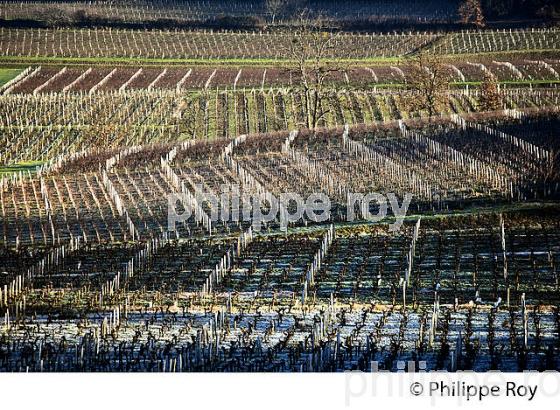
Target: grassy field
x=6, y=74
x=30, y=166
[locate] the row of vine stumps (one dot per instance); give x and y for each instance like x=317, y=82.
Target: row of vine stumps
x=462, y=302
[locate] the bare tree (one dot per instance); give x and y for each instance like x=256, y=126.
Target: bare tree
x=188, y=110
x=429, y=79
x=284, y=7
x=470, y=12
x=311, y=48
x=55, y=16
x=491, y=98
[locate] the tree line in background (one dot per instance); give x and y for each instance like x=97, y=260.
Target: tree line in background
x=477, y=13
x=521, y=9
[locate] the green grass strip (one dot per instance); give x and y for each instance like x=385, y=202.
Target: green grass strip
x=30, y=166
x=6, y=74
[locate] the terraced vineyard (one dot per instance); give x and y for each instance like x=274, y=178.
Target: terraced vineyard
x=268, y=308
x=44, y=80
x=101, y=43
x=439, y=160
x=44, y=127
x=183, y=45
x=111, y=260
x=358, y=307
